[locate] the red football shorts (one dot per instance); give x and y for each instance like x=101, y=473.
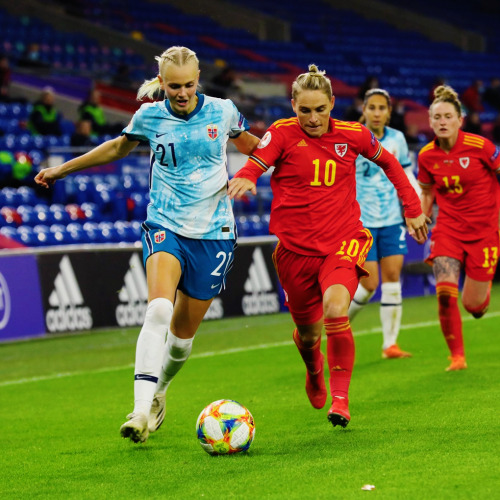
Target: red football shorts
x=479, y=258
x=305, y=278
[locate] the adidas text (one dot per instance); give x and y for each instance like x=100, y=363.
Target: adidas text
x=260, y=303
x=71, y=318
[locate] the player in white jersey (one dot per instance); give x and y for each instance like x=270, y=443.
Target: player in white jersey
x=189, y=235
x=381, y=214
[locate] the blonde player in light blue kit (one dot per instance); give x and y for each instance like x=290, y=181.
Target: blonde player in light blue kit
x=189, y=235
x=381, y=214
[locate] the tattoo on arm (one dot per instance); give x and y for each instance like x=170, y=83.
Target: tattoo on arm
x=446, y=269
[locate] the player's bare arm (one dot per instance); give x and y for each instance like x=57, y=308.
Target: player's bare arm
x=106, y=152
x=246, y=143
x=238, y=186
x=426, y=198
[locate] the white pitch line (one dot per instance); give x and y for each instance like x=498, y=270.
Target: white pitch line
x=210, y=354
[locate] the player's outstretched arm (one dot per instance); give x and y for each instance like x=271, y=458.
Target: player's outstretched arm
x=238, y=186
x=418, y=227
x=106, y=152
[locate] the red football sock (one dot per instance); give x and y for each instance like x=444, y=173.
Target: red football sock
x=449, y=316
x=311, y=355
x=340, y=352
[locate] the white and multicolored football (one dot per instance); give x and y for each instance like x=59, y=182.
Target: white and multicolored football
x=224, y=427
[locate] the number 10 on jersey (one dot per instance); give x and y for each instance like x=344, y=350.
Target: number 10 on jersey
x=324, y=174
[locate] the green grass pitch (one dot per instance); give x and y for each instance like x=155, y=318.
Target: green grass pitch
x=417, y=432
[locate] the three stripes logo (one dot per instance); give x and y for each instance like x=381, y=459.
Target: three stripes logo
x=133, y=295
x=260, y=295
x=67, y=310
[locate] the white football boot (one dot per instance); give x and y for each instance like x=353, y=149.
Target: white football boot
x=157, y=413
x=135, y=428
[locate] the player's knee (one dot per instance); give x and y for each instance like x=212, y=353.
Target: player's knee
x=473, y=305
x=335, y=309
x=159, y=312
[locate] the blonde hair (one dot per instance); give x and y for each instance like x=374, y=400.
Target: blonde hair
x=444, y=93
x=313, y=80
x=179, y=56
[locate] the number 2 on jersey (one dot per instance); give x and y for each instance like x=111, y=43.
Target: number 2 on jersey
x=328, y=176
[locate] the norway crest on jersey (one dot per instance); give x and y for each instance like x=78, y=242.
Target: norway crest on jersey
x=212, y=131
x=464, y=162
x=341, y=149
x=159, y=237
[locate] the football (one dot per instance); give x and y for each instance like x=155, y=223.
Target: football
x=224, y=427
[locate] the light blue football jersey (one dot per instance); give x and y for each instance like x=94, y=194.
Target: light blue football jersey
x=376, y=194
x=188, y=175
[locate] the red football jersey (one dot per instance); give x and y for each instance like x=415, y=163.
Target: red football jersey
x=314, y=182
x=465, y=185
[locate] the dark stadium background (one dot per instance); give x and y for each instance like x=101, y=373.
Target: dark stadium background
x=250, y=51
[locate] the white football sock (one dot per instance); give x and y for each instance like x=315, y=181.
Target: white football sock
x=361, y=298
x=175, y=354
x=149, y=352
x=391, y=309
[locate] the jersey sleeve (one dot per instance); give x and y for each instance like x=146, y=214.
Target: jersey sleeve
x=134, y=131
x=424, y=178
x=370, y=146
x=492, y=154
x=238, y=123
x=268, y=151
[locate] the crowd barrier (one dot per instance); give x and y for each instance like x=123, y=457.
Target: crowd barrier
x=84, y=287
x=75, y=288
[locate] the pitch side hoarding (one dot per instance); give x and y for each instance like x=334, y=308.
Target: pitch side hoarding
x=21, y=314
x=87, y=289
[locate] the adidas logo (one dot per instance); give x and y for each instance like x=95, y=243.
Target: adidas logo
x=133, y=295
x=302, y=143
x=262, y=298
x=68, y=310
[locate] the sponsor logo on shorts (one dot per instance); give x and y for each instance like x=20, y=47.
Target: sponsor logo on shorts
x=159, y=236
x=67, y=310
x=5, y=304
x=260, y=296
x=133, y=295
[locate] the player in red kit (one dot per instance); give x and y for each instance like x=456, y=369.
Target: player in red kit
x=458, y=169
x=322, y=243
